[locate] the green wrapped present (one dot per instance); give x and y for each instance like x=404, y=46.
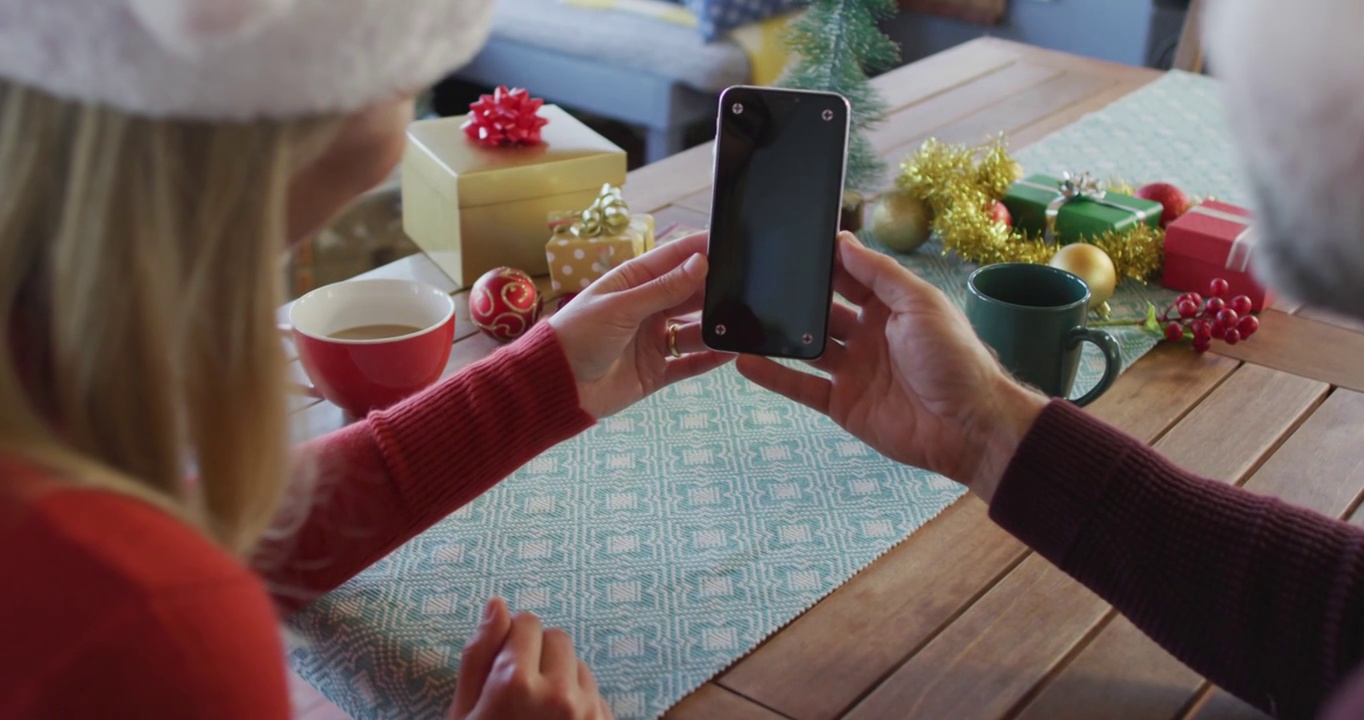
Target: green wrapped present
x=1072, y=208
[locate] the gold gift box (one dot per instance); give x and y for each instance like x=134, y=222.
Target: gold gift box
x=576, y=262
x=472, y=208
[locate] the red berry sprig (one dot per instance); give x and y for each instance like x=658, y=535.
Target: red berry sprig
x=1213, y=319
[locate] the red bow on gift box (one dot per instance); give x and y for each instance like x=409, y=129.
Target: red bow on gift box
x=505, y=118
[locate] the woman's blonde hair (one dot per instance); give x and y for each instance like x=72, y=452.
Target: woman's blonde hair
x=140, y=277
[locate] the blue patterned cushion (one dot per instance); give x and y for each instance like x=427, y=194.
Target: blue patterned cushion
x=716, y=17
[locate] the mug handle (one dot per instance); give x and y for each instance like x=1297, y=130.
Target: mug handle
x=1112, y=360
x=305, y=388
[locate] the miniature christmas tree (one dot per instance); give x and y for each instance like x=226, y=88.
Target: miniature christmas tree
x=834, y=45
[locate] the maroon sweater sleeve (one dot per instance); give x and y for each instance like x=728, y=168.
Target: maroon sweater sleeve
x=382, y=481
x=1265, y=599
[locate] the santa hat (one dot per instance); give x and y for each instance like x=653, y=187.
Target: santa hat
x=236, y=59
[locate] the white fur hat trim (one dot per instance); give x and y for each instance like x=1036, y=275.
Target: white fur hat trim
x=236, y=59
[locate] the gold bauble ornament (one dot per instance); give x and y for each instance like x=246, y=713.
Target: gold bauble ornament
x=1093, y=266
x=1016, y=170
x=900, y=221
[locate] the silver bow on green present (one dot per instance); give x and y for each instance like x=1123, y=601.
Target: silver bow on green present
x=607, y=215
x=1072, y=188
x=1085, y=185
x=1081, y=187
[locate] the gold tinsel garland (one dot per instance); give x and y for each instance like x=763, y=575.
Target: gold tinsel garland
x=961, y=191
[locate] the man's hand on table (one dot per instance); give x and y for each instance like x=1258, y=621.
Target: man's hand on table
x=513, y=669
x=615, y=333
x=908, y=375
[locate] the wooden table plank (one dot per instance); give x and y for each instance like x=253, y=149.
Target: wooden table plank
x=315, y=421
x=812, y=670
x=911, y=124
x=1247, y=415
x=992, y=657
x=1331, y=318
x=684, y=216
x=1121, y=673
x=299, y=402
x=1322, y=466
x=1133, y=405
x=698, y=201
x=1062, y=117
x=711, y=701
x=1008, y=115
x=1284, y=305
x=1301, y=346
x=1124, y=674
x=1024, y=117
x=1219, y=705
x=663, y=183
x=984, y=662
x=1020, y=109
x=1065, y=60
x=937, y=73
x=658, y=185
x=419, y=268
x=878, y=617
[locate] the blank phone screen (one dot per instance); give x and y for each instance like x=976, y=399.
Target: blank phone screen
x=775, y=211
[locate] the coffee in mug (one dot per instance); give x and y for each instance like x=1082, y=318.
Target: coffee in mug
x=382, y=331
x=366, y=344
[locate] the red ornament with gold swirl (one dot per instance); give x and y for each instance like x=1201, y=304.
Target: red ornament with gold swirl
x=505, y=304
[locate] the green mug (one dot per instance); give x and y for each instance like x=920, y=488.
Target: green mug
x=1034, y=317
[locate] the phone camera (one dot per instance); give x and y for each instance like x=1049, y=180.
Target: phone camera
x=807, y=338
x=828, y=115
x=738, y=108
x=720, y=330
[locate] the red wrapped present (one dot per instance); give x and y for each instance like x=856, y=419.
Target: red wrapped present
x=1212, y=240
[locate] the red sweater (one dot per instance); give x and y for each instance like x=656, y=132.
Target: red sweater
x=113, y=609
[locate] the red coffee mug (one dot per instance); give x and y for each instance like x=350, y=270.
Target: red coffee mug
x=366, y=344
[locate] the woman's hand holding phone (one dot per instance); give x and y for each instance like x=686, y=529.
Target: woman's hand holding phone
x=615, y=333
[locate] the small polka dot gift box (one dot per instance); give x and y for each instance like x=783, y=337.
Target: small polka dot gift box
x=475, y=195
x=586, y=245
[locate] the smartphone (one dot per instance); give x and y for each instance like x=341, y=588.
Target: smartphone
x=780, y=160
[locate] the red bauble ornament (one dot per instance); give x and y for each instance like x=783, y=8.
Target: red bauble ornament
x=504, y=304
x=1001, y=215
x=507, y=117
x=1171, y=198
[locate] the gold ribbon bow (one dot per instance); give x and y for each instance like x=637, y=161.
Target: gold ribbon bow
x=1078, y=187
x=607, y=215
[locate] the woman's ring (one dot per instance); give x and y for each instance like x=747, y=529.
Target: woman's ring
x=672, y=340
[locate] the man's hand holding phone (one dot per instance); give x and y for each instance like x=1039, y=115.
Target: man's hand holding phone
x=908, y=376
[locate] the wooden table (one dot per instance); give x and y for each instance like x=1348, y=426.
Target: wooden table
x=961, y=620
